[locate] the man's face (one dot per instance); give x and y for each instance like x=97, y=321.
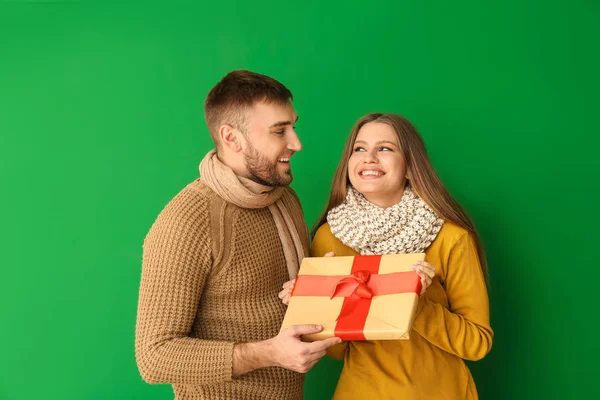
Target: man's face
x=271, y=140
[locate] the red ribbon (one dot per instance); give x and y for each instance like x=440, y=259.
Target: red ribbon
x=358, y=288
x=358, y=284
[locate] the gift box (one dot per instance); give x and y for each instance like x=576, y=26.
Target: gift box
x=356, y=298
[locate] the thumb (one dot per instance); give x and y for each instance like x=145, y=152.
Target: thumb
x=299, y=330
x=329, y=254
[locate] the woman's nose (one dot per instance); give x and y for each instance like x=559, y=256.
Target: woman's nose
x=370, y=157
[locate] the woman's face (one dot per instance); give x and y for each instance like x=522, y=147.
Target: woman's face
x=376, y=167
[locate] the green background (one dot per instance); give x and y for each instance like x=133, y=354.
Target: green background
x=101, y=125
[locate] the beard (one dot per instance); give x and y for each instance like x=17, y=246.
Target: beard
x=263, y=171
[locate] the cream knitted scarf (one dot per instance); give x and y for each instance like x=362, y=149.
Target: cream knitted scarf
x=246, y=193
x=407, y=227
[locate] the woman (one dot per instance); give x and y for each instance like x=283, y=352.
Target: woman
x=386, y=198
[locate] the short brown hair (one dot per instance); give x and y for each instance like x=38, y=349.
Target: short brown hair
x=239, y=90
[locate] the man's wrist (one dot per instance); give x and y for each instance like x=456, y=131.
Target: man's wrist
x=251, y=356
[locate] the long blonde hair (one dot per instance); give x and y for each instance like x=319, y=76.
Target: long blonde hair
x=422, y=177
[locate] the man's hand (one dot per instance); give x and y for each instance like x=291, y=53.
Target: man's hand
x=292, y=353
x=285, y=350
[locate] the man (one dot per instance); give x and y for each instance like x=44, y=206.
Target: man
x=216, y=258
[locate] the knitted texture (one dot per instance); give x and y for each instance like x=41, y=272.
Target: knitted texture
x=211, y=273
x=407, y=227
x=246, y=193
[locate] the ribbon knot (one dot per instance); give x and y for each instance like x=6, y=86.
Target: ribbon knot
x=354, y=285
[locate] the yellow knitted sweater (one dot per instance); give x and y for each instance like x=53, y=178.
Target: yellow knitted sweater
x=452, y=324
x=211, y=273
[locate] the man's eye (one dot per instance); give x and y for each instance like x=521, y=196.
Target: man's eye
x=280, y=132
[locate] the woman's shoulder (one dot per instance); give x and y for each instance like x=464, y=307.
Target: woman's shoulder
x=323, y=237
x=324, y=241
x=451, y=233
x=324, y=231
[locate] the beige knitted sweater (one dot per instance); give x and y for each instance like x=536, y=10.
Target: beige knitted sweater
x=210, y=277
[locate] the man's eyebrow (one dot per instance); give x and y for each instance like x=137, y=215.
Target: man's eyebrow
x=283, y=123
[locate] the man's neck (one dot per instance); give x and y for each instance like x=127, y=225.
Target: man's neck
x=235, y=163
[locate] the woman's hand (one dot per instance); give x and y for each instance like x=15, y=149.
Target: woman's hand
x=286, y=293
x=426, y=271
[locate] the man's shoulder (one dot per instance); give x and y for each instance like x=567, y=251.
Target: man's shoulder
x=190, y=205
x=195, y=194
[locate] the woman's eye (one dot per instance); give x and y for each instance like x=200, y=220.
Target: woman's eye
x=385, y=149
x=359, y=149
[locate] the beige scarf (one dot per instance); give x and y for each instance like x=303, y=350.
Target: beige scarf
x=246, y=193
x=407, y=227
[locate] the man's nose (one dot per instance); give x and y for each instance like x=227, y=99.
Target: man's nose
x=294, y=143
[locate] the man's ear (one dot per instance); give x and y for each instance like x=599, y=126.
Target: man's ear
x=230, y=137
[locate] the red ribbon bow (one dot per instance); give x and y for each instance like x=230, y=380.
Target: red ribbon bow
x=359, y=289
x=358, y=282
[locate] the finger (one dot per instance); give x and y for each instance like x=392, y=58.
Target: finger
x=329, y=254
x=289, y=284
x=428, y=280
x=322, y=345
x=430, y=274
x=283, y=293
x=421, y=274
x=424, y=285
x=429, y=269
x=287, y=289
x=422, y=271
x=286, y=300
x=299, y=330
